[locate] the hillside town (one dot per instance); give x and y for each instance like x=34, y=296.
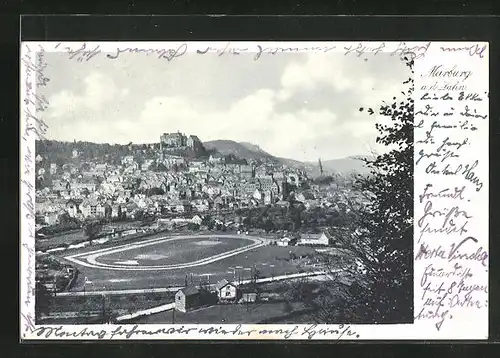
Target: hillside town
x=179, y=188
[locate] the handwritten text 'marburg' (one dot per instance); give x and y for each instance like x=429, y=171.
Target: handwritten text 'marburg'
x=447, y=72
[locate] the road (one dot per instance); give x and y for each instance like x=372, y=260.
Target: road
x=175, y=289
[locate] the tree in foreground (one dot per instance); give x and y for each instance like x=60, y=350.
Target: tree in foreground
x=92, y=229
x=376, y=234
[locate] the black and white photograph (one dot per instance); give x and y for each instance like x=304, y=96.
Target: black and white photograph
x=228, y=188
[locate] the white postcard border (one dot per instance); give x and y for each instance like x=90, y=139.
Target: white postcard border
x=460, y=322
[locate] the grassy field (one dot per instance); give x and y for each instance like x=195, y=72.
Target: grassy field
x=129, y=302
x=177, y=251
x=269, y=261
x=66, y=238
x=82, y=308
x=226, y=314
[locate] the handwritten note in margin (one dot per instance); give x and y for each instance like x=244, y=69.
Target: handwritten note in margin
x=451, y=189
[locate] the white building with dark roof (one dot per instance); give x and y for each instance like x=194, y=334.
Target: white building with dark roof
x=323, y=239
x=226, y=291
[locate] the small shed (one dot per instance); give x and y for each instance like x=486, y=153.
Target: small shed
x=188, y=298
x=283, y=242
x=248, y=297
x=226, y=291
x=286, y=241
x=191, y=297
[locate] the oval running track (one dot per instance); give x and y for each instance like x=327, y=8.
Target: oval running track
x=89, y=259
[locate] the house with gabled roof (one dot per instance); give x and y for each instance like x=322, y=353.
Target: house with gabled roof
x=91, y=208
x=196, y=220
x=226, y=291
x=323, y=239
x=73, y=206
x=216, y=158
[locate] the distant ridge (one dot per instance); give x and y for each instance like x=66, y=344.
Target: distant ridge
x=241, y=150
x=253, y=147
x=352, y=164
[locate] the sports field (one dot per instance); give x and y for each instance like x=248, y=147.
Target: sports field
x=162, y=262
x=174, y=251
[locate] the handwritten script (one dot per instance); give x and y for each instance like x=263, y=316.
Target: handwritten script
x=33, y=65
x=86, y=52
x=307, y=332
x=451, y=122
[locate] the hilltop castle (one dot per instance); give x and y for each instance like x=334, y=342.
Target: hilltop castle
x=179, y=140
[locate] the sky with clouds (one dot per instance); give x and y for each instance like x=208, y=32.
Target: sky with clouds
x=300, y=106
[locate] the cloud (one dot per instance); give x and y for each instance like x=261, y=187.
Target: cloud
x=318, y=69
x=342, y=85
x=253, y=118
x=344, y=76
x=98, y=90
x=305, y=108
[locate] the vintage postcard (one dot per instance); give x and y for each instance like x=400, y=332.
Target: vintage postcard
x=254, y=190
